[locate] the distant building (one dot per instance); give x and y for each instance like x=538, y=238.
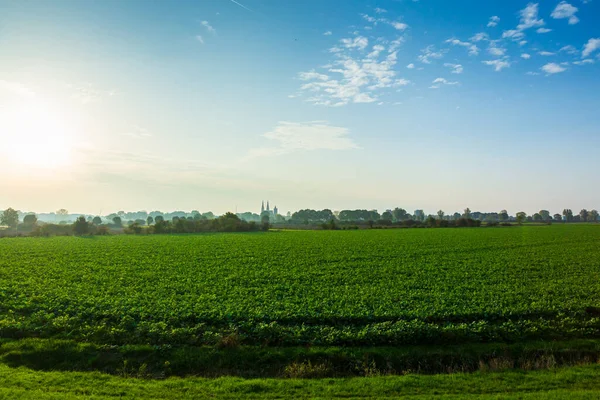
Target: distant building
x=268, y=210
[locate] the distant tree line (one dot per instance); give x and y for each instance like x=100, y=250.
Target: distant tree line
x=16, y=222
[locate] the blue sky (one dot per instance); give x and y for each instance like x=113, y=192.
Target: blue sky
x=213, y=105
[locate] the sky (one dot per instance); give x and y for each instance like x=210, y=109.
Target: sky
x=219, y=104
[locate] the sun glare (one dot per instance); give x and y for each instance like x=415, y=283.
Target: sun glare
x=35, y=135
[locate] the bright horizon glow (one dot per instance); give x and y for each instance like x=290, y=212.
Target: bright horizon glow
x=129, y=105
x=37, y=136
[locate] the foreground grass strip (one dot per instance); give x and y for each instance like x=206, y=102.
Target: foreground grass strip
x=291, y=362
x=574, y=382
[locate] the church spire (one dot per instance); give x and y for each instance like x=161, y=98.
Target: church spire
x=262, y=207
x=268, y=206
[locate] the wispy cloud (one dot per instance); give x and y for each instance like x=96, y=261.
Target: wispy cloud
x=353, y=78
x=546, y=53
x=456, y=68
x=473, y=49
x=359, y=42
x=553, y=68
x=584, y=62
x=208, y=27
x=543, y=30
x=380, y=10
x=591, y=46
x=528, y=18
x=498, y=65
x=429, y=53
x=565, y=10
x=525, y=56
x=493, y=21
x=309, y=136
x=410, y=66
x=328, y=33
x=569, y=50
x=496, y=51
x=438, y=82
x=478, y=37
x=199, y=38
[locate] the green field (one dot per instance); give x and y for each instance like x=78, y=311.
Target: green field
x=303, y=304
x=372, y=287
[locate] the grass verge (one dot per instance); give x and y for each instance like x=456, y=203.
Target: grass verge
x=562, y=383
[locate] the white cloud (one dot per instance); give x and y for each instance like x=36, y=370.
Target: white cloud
x=370, y=19
x=380, y=10
x=565, y=10
x=493, y=21
x=328, y=33
x=525, y=56
x=456, y=68
x=359, y=42
x=473, y=49
x=428, y=53
x=546, y=53
x=553, y=68
x=498, y=65
x=583, y=62
x=569, y=49
x=522, y=42
x=399, y=25
x=377, y=49
x=495, y=51
x=513, y=34
x=309, y=136
x=350, y=79
x=199, y=38
x=438, y=82
x=478, y=37
x=208, y=27
x=410, y=66
x=591, y=46
x=531, y=73
x=401, y=82
x=543, y=30
x=307, y=76
x=529, y=17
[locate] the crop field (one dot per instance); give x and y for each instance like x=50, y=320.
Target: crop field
x=358, y=288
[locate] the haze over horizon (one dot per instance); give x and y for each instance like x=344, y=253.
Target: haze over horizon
x=429, y=104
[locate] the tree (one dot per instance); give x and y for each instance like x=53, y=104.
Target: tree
x=30, y=220
x=419, y=215
x=97, y=221
x=62, y=212
x=521, y=217
x=467, y=213
x=537, y=217
x=159, y=219
x=440, y=214
x=503, y=216
x=9, y=218
x=583, y=215
x=149, y=220
x=400, y=214
x=387, y=216
x=593, y=216
x=568, y=214
x=117, y=221
x=81, y=226
x=545, y=214
x=557, y=217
